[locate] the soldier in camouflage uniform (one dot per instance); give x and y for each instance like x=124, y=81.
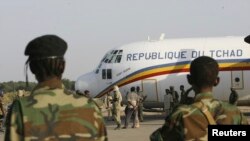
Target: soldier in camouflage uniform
x=117, y=107
x=51, y=112
x=108, y=105
x=188, y=122
x=142, y=98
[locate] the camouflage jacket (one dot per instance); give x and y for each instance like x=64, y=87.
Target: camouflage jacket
x=188, y=122
x=117, y=100
x=51, y=113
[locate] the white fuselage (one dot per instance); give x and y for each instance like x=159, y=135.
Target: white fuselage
x=157, y=65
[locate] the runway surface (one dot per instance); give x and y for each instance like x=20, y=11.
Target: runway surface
x=152, y=121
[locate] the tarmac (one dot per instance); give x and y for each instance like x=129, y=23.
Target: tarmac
x=152, y=121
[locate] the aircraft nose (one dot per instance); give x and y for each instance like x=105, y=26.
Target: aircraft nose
x=87, y=82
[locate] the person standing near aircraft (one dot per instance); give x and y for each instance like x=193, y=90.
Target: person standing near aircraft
x=189, y=99
x=86, y=93
x=175, y=95
x=190, y=122
x=78, y=92
x=117, y=99
x=152, y=61
x=183, y=96
x=168, y=102
x=108, y=104
x=132, y=106
x=185, y=99
x=233, y=98
x=51, y=112
x=142, y=97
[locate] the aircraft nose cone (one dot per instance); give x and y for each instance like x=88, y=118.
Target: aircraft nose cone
x=87, y=82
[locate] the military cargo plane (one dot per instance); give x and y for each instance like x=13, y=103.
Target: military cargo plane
x=155, y=65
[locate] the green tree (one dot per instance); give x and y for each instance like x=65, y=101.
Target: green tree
x=12, y=86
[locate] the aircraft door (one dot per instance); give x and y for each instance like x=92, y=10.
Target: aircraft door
x=149, y=87
x=237, y=79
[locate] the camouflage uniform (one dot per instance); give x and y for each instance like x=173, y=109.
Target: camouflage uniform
x=51, y=113
x=188, y=122
x=117, y=108
x=108, y=99
x=142, y=97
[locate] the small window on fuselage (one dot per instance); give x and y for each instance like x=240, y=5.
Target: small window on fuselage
x=109, y=74
x=104, y=74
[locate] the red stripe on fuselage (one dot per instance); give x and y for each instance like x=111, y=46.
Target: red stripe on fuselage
x=164, y=73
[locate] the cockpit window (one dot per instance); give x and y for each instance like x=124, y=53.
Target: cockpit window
x=99, y=66
x=115, y=52
x=114, y=56
x=118, y=57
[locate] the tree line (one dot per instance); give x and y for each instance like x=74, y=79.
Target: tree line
x=12, y=86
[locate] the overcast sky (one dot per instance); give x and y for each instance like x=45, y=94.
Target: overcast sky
x=92, y=27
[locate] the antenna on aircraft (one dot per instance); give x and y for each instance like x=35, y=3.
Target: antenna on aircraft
x=162, y=36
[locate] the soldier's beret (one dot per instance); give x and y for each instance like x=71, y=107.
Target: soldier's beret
x=247, y=39
x=46, y=46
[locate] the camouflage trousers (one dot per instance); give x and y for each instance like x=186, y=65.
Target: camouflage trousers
x=140, y=112
x=117, y=115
